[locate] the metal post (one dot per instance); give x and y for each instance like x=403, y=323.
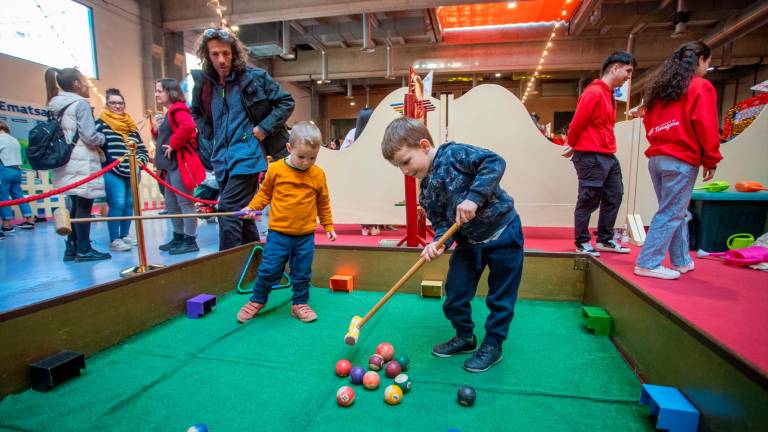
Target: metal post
x=143, y=267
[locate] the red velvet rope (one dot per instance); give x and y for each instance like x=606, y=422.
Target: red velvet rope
x=176, y=191
x=62, y=189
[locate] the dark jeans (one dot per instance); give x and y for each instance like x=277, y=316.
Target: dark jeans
x=297, y=251
x=80, y=207
x=236, y=192
x=600, y=185
x=504, y=258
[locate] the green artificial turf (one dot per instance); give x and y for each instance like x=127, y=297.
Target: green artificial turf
x=277, y=374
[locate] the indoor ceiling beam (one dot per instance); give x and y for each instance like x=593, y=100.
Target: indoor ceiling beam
x=181, y=15
x=574, y=55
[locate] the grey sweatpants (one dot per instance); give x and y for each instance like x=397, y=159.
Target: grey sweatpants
x=176, y=204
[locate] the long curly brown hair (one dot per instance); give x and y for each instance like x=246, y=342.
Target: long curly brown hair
x=671, y=81
x=239, y=51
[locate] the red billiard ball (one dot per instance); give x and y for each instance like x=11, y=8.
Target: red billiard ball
x=386, y=351
x=345, y=396
x=371, y=380
x=393, y=369
x=343, y=367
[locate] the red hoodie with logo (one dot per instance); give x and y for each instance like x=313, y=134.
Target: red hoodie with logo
x=686, y=128
x=591, y=129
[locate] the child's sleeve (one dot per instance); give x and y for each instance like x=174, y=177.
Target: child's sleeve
x=324, y=206
x=264, y=196
x=488, y=168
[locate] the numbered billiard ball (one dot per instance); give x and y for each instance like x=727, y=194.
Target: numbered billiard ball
x=375, y=362
x=345, y=396
x=393, y=395
x=403, y=382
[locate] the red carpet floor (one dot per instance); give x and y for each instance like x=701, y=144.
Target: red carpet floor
x=729, y=304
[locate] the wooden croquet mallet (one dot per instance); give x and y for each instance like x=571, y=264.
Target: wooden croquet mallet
x=358, y=322
x=63, y=222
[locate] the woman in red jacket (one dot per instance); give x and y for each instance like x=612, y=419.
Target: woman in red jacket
x=176, y=153
x=682, y=128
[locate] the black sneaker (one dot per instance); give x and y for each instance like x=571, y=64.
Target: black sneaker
x=176, y=240
x=457, y=345
x=189, y=244
x=483, y=359
x=586, y=248
x=39, y=219
x=9, y=229
x=92, y=255
x=70, y=251
x=2, y=235
x=26, y=225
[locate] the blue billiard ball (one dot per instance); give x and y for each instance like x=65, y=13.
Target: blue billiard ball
x=199, y=427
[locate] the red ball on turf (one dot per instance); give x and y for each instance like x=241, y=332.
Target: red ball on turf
x=371, y=380
x=375, y=362
x=385, y=350
x=393, y=369
x=343, y=367
x=345, y=396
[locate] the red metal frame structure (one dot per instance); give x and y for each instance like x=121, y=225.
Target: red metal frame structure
x=415, y=218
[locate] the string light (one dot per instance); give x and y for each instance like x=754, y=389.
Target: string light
x=223, y=23
x=544, y=53
x=90, y=83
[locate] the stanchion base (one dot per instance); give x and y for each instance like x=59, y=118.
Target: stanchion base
x=132, y=271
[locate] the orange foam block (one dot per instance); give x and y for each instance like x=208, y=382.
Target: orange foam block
x=342, y=283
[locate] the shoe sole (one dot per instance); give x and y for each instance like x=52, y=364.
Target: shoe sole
x=172, y=252
x=436, y=354
x=611, y=250
x=483, y=370
x=91, y=259
x=657, y=276
x=594, y=254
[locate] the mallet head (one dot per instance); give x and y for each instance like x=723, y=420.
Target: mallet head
x=354, y=331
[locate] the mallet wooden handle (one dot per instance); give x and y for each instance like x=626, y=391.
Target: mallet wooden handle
x=440, y=243
x=63, y=222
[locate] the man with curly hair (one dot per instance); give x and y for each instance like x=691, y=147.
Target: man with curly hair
x=240, y=113
x=591, y=137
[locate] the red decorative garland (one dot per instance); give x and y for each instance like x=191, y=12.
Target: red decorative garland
x=63, y=188
x=176, y=191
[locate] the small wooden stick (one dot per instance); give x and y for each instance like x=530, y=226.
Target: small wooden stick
x=357, y=323
x=63, y=222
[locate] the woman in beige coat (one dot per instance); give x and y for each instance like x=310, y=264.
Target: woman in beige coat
x=67, y=100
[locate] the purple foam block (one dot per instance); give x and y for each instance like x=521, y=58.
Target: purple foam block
x=200, y=305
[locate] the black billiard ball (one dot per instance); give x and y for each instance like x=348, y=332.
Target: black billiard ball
x=466, y=395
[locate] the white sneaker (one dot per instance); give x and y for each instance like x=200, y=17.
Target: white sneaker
x=119, y=246
x=586, y=248
x=659, y=272
x=365, y=231
x=129, y=241
x=685, y=268
x=375, y=231
x=611, y=246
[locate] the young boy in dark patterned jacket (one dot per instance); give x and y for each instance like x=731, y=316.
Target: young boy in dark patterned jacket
x=460, y=183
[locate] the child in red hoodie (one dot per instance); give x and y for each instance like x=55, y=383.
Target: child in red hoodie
x=682, y=128
x=590, y=135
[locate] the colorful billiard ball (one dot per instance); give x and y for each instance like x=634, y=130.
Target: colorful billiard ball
x=392, y=369
x=466, y=395
x=375, y=362
x=393, y=395
x=404, y=361
x=385, y=350
x=371, y=380
x=356, y=375
x=403, y=382
x=345, y=396
x=199, y=427
x=343, y=367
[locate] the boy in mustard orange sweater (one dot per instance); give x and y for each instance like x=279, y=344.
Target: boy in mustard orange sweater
x=296, y=190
